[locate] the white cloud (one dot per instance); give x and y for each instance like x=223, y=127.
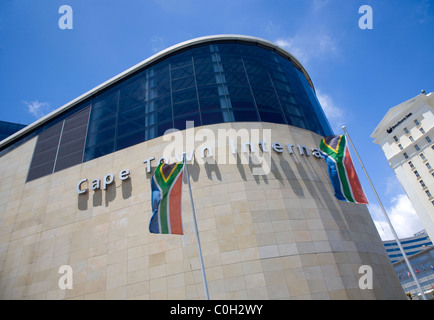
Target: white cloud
x=402, y=216
x=158, y=44
x=38, y=109
x=334, y=114
x=305, y=47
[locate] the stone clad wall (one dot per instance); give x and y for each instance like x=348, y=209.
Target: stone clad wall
x=275, y=236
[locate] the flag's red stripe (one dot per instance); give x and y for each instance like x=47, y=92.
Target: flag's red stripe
x=175, y=206
x=358, y=193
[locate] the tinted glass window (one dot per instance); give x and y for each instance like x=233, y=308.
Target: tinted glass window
x=210, y=83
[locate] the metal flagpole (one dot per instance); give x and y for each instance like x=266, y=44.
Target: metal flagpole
x=386, y=216
x=197, y=231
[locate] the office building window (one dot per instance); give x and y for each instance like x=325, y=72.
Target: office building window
x=411, y=164
x=416, y=122
x=395, y=138
x=422, y=183
x=400, y=147
x=428, y=139
x=428, y=193
x=422, y=156
x=411, y=138
x=417, y=174
x=406, y=131
x=416, y=147
x=405, y=155
x=428, y=166
x=421, y=130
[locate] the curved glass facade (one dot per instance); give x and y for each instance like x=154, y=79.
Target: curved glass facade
x=214, y=82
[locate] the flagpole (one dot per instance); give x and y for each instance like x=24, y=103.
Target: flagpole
x=386, y=216
x=197, y=231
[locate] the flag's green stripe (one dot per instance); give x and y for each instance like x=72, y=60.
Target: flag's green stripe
x=163, y=215
x=344, y=181
x=339, y=157
x=165, y=187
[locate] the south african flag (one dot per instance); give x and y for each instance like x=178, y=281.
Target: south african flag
x=166, y=184
x=343, y=175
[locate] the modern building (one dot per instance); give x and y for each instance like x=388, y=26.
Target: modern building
x=75, y=192
x=411, y=246
x=9, y=128
x=406, y=136
x=423, y=267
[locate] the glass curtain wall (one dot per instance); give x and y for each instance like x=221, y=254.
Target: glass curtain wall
x=210, y=83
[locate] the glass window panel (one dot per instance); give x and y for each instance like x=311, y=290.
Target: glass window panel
x=183, y=83
x=95, y=126
x=160, y=67
x=254, y=68
x=260, y=80
x=132, y=114
x=236, y=78
x=278, y=76
x=243, y=91
x=207, y=68
x=161, y=82
x=99, y=150
x=180, y=122
x=292, y=109
x=297, y=122
x=210, y=91
x=101, y=136
x=180, y=60
x=214, y=117
x=185, y=108
x=203, y=57
x=274, y=117
x=286, y=98
x=100, y=114
x=106, y=102
x=232, y=64
x=242, y=104
x=162, y=127
x=130, y=140
x=132, y=95
x=182, y=72
x=213, y=103
x=206, y=79
x=160, y=102
x=138, y=124
x=245, y=115
x=183, y=95
x=267, y=98
x=152, y=132
x=165, y=114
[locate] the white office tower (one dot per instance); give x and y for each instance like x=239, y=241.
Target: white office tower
x=406, y=136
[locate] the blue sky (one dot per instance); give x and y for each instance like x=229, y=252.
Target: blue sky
x=358, y=74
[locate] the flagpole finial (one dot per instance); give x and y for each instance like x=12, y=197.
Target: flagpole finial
x=344, y=128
